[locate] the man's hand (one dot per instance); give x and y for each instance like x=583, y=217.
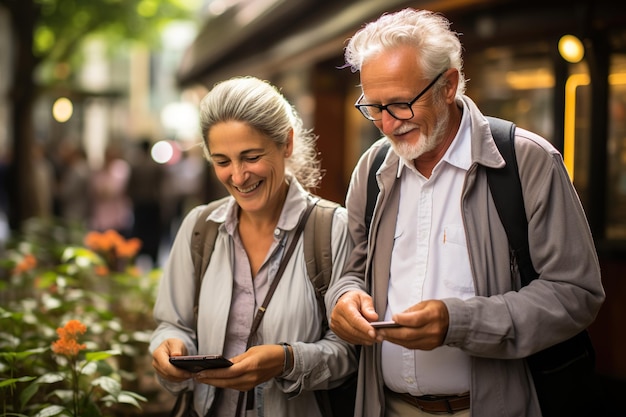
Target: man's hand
x=423, y=326
x=351, y=317
x=161, y=360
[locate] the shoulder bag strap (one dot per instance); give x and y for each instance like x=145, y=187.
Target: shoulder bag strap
x=202, y=244
x=318, y=250
x=283, y=264
x=270, y=292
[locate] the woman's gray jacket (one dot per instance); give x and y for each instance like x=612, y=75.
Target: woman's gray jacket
x=321, y=359
x=500, y=325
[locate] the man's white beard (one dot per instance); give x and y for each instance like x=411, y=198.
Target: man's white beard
x=426, y=143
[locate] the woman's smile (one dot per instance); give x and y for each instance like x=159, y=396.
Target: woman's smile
x=247, y=189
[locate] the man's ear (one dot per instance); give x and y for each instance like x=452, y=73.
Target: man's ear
x=452, y=81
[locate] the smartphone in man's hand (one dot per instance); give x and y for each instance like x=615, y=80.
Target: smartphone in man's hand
x=384, y=324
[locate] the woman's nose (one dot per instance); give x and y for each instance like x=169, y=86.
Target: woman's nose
x=239, y=174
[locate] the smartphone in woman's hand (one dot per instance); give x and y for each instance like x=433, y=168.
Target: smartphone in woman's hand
x=197, y=363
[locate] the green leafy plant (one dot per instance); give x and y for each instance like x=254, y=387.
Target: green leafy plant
x=46, y=281
x=81, y=384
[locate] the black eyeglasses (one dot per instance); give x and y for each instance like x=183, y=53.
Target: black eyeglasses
x=400, y=111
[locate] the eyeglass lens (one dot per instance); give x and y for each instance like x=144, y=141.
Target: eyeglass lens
x=400, y=111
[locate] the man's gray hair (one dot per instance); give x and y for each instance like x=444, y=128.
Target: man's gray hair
x=439, y=48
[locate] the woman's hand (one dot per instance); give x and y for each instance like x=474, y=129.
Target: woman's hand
x=253, y=367
x=161, y=360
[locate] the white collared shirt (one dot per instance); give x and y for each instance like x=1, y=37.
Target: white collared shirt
x=430, y=261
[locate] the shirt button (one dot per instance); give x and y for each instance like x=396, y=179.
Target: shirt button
x=276, y=232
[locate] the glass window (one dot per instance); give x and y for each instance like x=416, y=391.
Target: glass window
x=518, y=83
x=616, y=148
x=514, y=83
x=577, y=131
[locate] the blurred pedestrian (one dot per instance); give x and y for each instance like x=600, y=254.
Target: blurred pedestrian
x=73, y=184
x=110, y=205
x=43, y=174
x=144, y=189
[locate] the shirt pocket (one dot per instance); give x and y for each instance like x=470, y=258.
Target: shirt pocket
x=453, y=234
x=455, y=267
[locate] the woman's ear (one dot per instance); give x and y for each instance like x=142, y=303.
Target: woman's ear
x=289, y=144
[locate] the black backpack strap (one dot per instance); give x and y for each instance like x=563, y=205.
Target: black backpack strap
x=568, y=365
x=506, y=190
x=372, y=185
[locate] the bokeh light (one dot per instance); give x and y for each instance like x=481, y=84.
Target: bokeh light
x=62, y=109
x=571, y=48
x=165, y=152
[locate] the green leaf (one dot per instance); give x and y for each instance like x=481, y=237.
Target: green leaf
x=53, y=410
x=102, y=355
x=124, y=397
x=108, y=400
x=11, y=381
x=65, y=395
x=50, y=378
x=133, y=398
x=28, y=393
x=21, y=355
x=89, y=369
x=4, y=314
x=47, y=279
x=108, y=384
x=83, y=256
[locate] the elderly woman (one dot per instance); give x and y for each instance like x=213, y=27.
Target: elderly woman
x=266, y=160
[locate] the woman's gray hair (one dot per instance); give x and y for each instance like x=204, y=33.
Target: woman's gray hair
x=260, y=105
x=428, y=32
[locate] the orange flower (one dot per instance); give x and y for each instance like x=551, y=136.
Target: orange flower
x=94, y=241
x=90, y=239
x=27, y=263
x=103, y=242
x=68, y=344
x=112, y=240
x=128, y=248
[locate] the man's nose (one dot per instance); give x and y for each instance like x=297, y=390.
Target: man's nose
x=387, y=122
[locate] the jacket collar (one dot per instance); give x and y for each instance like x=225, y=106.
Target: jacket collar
x=484, y=149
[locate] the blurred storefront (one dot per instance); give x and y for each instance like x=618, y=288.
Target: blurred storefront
x=515, y=71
